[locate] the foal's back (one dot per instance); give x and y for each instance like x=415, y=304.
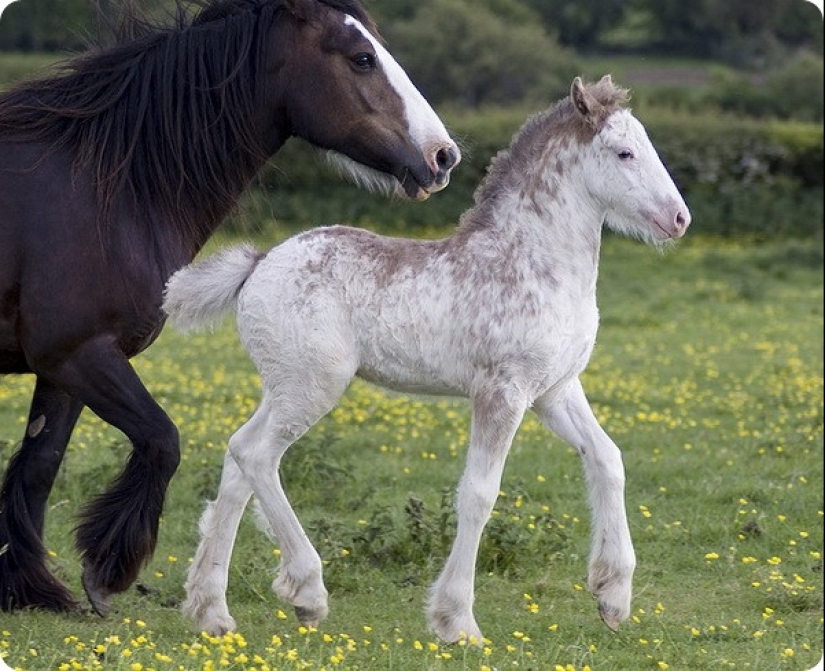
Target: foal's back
x=427, y=316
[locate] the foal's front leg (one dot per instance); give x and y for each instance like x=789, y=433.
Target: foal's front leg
x=612, y=559
x=496, y=417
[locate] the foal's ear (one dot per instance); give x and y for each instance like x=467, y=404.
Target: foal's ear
x=607, y=80
x=591, y=109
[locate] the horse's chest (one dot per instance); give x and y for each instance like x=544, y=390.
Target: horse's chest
x=559, y=345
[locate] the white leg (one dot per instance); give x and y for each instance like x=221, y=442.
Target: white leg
x=300, y=400
x=208, y=575
x=612, y=559
x=496, y=418
x=300, y=579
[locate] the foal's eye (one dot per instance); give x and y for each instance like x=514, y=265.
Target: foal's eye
x=625, y=154
x=364, y=61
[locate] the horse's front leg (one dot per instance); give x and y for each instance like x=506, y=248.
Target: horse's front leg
x=496, y=417
x=612, y=559
x=118, y=531
x=25, y=580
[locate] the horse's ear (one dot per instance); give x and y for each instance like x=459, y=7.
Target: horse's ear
x=590, y=108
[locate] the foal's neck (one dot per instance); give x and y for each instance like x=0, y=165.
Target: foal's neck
x=544, y=215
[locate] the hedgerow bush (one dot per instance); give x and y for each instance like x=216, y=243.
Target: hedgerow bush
x=739, y=175
x=794, y=91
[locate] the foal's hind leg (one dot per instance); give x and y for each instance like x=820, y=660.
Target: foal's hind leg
x=208, y=575
x=612, y=559
x=119, y=528
x=302, y=398
x=25, y=581
x=496, y=417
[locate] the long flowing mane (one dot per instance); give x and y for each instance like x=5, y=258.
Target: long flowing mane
x=525, y=156
x=150, y=115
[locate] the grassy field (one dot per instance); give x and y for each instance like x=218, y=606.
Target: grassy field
x=708, y=372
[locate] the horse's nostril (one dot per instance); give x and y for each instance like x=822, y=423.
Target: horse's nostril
x=446, y=158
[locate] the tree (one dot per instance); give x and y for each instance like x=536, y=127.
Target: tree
x=460, y=51
x=45, y=25
x=741, y=32
x=67, y=25
x=578, y=24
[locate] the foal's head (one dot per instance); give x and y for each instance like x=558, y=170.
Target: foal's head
x=346, y=93
x=623, y=170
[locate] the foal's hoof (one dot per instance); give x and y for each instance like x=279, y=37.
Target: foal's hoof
x=309, y=617
x=611, y=617
x=99, y=597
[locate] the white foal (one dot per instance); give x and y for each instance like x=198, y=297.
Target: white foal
x=503, y=312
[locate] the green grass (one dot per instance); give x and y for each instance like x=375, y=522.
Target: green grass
x=708, y=372
x=15, y=66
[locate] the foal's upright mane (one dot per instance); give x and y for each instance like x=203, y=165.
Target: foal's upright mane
x=526, y=156
x=165, y=113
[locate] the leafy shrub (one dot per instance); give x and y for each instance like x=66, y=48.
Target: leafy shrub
x=738, y=175
x=794, y=91
x=468, y=54
x=416, y=539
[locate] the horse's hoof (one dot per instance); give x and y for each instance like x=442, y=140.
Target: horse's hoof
x=99, y=597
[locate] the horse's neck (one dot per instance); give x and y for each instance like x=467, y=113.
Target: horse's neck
x=220, y=208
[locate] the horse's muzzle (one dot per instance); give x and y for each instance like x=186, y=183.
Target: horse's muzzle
x=419, y=185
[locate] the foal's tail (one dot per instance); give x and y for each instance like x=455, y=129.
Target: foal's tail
x=200, y=294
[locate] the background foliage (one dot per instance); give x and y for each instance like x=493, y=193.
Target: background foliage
x=492, y=51
x=708, y=372
x=731, y=93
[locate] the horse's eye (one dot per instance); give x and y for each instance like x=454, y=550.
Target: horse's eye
x=625, y=154
x=364, y=61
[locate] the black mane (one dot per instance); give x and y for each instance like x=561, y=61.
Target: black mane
x=164, y=114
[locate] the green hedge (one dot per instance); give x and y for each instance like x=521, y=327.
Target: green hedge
x=737, y=175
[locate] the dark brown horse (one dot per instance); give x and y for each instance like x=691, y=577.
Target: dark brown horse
x=113, y=174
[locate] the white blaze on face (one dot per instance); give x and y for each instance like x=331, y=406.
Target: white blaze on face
x=646, y=201
x=424, y=125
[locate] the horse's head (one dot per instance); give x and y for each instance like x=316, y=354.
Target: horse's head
x=343, y=91
x=625, y=173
